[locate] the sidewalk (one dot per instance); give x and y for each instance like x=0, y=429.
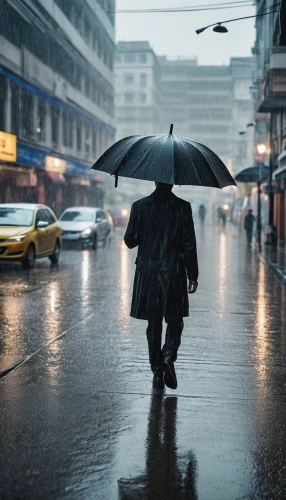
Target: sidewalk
x=275, y=259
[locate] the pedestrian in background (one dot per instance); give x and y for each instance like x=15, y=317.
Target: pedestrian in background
x=162, y=227
x=248, y=225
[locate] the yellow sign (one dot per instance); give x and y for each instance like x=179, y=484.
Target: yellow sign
x=55, y=165
x=8, y=147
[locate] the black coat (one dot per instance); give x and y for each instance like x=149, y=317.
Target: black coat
x=162, y=227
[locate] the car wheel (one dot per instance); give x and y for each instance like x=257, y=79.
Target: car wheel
x=30, y=257
x=54, y=258
x=94, y=242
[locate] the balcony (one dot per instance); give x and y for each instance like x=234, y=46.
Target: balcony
x=274, y=88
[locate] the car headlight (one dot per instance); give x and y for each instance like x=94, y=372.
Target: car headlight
x=86, y=232
x=17, y=238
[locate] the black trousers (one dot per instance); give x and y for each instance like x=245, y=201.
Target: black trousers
x=172, y=341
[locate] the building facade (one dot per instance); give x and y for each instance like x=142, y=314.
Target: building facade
x=210, y=104
x=56, y=99
x=269, y=92
x=137, y=101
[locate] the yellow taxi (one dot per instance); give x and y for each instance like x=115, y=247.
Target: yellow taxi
x=28, y=231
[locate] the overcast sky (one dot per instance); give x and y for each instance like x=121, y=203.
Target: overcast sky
x=174, y=34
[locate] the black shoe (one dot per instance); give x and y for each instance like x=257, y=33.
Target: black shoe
x=158, y=381
x=170, y=377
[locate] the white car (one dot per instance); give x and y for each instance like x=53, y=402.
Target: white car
x=85, y=226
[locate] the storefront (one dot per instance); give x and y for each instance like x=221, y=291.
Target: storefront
x=280, y=198
x=29, y=174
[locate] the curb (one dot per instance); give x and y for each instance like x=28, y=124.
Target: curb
x=281, y=277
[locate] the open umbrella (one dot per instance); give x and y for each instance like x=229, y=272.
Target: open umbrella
x=165, y=158
x=253, y=173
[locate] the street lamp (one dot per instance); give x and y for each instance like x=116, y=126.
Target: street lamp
x=261, y=150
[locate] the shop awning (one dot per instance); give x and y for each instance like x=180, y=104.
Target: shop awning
x=271, y=103
x=56, y=178
x=280, y=173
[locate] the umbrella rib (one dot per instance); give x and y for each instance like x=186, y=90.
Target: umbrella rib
x=209, y=166
x=191, y=160
x=142, y=138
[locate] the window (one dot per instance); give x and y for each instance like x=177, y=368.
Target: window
x=49, y=217
x=78, y=216
x=27, y=114
x=86, y=84
x=41, y=216
x=79, y=135
x=41, y=123
x=129, y=97
x=15, y=113
x=55, y=116
x=118, y=58
x=12, y=216
x=94, y=41
x=143, y=79
x=94, y=93
x=143, y=58
x=143, y=98
x=128, y=78
x=78, y=76
x=87, y=138
x=130, y=58
x=65, y=129
x=70, y=130
x=94, y=142
x=3, y=90
x=87, y=30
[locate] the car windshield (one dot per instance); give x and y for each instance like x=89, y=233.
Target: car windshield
x=13, y=216
x=77, y=216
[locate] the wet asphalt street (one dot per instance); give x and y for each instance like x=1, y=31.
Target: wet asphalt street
x=78, y=419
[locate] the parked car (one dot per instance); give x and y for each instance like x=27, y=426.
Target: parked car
x=85, y=226
x=28, y=231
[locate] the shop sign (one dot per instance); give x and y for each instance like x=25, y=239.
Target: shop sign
x=8, y=148
x=55, y=165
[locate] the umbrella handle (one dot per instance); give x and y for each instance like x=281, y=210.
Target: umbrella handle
x=116, y=181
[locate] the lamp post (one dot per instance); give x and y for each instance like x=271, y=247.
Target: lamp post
x=261, y=149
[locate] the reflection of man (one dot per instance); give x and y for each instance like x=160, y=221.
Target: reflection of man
x=163, y=477
x=162, y=227
x=248, y=225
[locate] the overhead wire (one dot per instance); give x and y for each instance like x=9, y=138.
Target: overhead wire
x=193, y=8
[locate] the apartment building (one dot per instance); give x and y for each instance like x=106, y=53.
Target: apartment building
x=269, y=93
x=137, y=103
x=56, y=98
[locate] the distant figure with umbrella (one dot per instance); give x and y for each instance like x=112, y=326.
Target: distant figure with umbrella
x=161, y=226
x=248, y=226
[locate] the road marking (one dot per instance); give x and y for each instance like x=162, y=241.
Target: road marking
x=7, y=372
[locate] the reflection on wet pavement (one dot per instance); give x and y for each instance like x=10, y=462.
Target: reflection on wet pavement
x=79, y=419
x=162, y=477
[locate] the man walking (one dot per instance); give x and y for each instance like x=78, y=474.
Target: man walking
x=248, y=226
x=162, y=227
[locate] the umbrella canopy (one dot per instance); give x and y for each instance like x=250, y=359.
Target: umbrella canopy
x=253, y=173
x=167, y=159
